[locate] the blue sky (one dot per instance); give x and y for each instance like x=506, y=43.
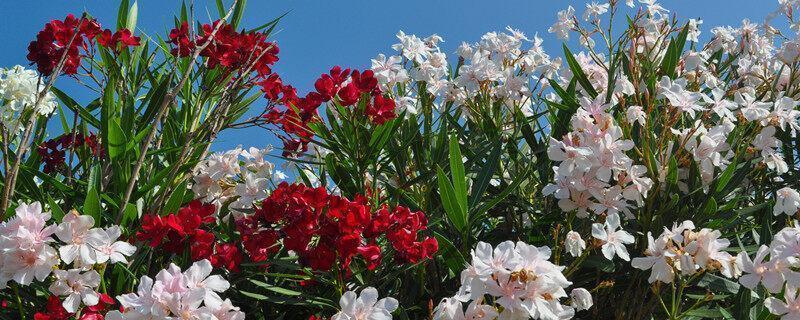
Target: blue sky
x=316, y=35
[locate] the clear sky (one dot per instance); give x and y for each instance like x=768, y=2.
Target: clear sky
x=318, y=34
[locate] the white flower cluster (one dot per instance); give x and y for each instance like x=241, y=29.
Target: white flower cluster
x=176, y=294
x=28, y=252
x=19, y=88
x=521, y=284
x=686, y=251
x=594, y=173
x=777, y=273
x=497, y=66
x=365, y=306
x=240, y=175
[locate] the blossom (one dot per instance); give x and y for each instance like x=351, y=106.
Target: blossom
x=574, y=244
x=581, y=299
x=594, y=10
x=25, y=246
x=107, y=248
x=74, y=231
x=564, y=23
x=757, y=270
x=77, y=287
x=788, y=309
x=787, y=201
x=365, y=306
x=613, y=240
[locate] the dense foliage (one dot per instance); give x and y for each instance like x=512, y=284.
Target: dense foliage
x=651, y=173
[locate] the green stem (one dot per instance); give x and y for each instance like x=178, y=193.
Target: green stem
x=19, y=302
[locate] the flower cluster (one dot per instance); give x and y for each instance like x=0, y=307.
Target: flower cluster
x=520, y=282
x=60, y=38
x=27, y=244
x=496, y=67
x=686, y=251
x=326, y=230
x=19, y=91
x=190, y=228
x=236, y=51
x=190, y=294
x=594, y=173
x=349, y=88
x=243, y=176
x=53, y=151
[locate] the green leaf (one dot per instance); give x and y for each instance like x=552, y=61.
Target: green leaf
x=452, y=257
x=122, y=14
x=485, y=176
x=116, y=139
x=455, y=213
x=91, y=206
x=55, y=209
x=238, y=12
x=133, y=16
x=578, y=73
x=458, y=173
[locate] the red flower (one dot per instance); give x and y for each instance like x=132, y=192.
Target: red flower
x=202, y=245
x=180, y=38
x=365, y=82
x=372, y=254
x=53, y=42
x=227, y=256
x=52, y=152
x=349, y=95
x=381, y=110
x=55, y=311
x=119, y=40
x=97, y=311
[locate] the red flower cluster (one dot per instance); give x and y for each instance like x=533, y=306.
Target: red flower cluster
x=174, y=232
x=53, y=42
x=55, y=310
x=333, y=85
x=118, y=40
x=228, y=48
x=53, y=151
x=327, y=230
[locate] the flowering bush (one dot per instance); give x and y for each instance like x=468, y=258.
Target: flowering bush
x=651, y=173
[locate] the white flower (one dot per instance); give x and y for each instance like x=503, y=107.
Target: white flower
x=613, y=240
x=752, y=109
x=788, y=309
x=106, y=246
x=787, y=201
x=594, y=10
x=657, y=258
x=366, y=306
x=679, y=97
x=574, y=244
x=759, y=271
x=581, y=299
x=564, y=23
x=77, y=287
x=74, y=231
x=198, y=276
x=411, y=47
